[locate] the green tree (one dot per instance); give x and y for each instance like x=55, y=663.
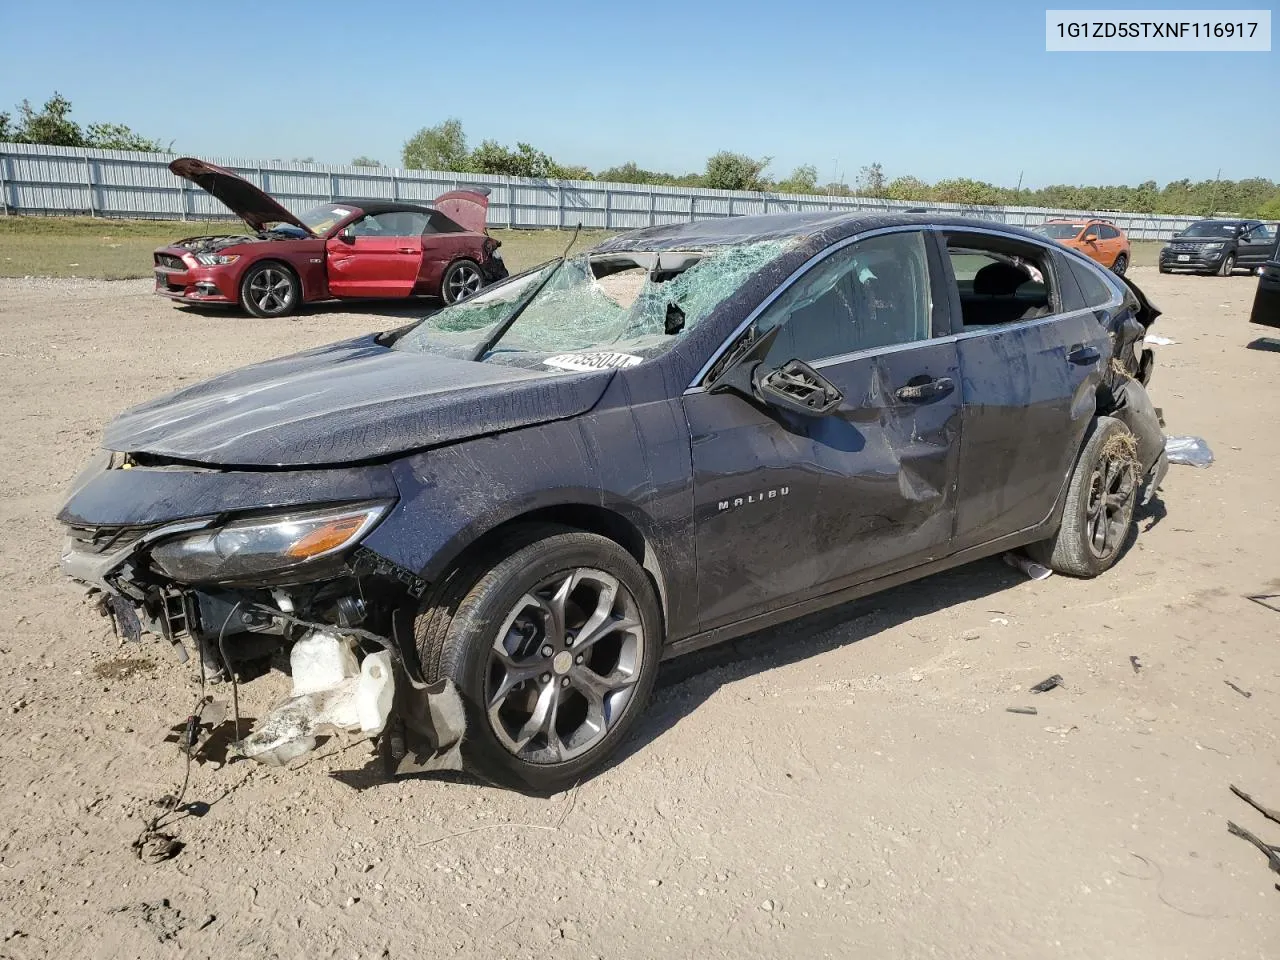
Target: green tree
x=116, y=136
x=803, y=179
x=907, y=188
x=363, y=161
x=735, y=171
x=6, y=128
x=871, y=180
x=442, y=147
x=51, y=125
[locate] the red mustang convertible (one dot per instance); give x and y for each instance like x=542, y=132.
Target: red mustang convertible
x=358, y=250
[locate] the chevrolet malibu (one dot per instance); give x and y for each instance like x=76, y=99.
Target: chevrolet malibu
x=475, y=537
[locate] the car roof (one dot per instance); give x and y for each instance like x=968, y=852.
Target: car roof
x=385, y=206
x=823, y=226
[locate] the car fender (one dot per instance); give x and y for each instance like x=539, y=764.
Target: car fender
x=632, y=464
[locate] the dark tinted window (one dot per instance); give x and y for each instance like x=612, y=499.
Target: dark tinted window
x=1005, y=283
x=874, y=293
x=1095, y=290
x=1108, y=232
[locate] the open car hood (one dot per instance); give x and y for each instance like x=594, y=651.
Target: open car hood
x=246, y=201
x=468, y=208
x=346, y=403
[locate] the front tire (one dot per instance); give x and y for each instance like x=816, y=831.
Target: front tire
x=1101, y=498
x=1228, y=264
x=461, y=280
x=270, y=290
x=1120, y=265
x=553, y=638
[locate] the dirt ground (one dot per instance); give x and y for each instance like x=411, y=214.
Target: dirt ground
x=847, y=785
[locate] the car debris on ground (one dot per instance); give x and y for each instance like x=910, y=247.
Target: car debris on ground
x=1192, y=451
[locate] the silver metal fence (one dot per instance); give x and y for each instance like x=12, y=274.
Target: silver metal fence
x=42, y=180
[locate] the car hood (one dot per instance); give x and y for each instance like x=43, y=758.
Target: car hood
x=245, y=200
x=346, y=403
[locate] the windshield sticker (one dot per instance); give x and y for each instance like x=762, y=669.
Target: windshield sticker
x=340, y=212
x=592, y=361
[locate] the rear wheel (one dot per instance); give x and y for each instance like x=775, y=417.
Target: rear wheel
x=552, y=638
x=461, y=280
x=270, y=290
x=1100, y=503
x=1228, y=264
x=1120, y=265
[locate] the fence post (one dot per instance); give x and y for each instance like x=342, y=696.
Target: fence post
x=653, y=209
x=560, y=206
x=4, y=190
x=88, y=179
x=731, y=205
x=395, y=185
x=182, y=196
x=333, y=188
x=608, y=205
x=693, y=202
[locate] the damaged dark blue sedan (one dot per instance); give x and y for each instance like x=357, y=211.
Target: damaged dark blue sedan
x=475, y=537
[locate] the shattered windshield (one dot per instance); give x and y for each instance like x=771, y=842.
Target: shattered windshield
x=593, y=310
x=1058, y=231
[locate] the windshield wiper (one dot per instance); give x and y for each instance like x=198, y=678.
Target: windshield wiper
x=505, y=325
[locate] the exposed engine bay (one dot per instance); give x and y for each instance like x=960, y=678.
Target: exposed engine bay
x=216, y=243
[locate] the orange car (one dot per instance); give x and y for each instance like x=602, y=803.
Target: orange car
x=1097, y=239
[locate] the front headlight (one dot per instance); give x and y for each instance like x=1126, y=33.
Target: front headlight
x=216, y=259
x=1210, y=247
x=270, y=547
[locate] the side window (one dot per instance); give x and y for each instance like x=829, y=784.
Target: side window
x=874, y=293
x=1003, y=285
x=398, y=223
x=1097, y=292
x=1108, y=232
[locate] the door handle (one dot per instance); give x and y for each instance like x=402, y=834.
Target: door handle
x=1082, y=355
x=928, y=390
x=408, y=249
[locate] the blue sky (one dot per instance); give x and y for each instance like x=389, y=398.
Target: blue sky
x=931, y=89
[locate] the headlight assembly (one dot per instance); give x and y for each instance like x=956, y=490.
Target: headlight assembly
x=269, y=547
x=216, y=259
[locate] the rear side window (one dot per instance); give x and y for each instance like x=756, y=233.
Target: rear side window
x=1000, y=280
x=1095, y=290
x=1108, y=233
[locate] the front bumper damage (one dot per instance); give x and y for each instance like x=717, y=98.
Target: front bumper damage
x=349, y=675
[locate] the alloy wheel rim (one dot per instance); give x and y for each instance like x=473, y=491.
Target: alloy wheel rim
x=271, y=290
x=1111, y=491
x=563, y=668
x=463, y=282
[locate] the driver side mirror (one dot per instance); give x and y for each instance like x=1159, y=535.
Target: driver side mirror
x=1090, y=238
x=797, y=387
x=347, y=234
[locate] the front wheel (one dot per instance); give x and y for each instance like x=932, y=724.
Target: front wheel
x=1228, y=264
x=270, y=290
x=1101, y=499
x=552, y=638
x=461, y=280
x=1120, y=265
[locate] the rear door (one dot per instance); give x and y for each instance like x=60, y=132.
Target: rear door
x=1031, y=357
x=788, y=506
x=379, y=255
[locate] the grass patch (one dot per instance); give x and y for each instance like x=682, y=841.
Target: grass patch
x=121, y=249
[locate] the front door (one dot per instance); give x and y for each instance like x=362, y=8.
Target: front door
x=376, y=256
x=789, y=507
x=1031, y=352
x=1256, y=246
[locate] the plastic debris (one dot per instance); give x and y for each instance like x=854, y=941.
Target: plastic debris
x=1192, y=451
x=1158, y=340
x=1027, y=711
x=1028, y=566
x=1044, y=686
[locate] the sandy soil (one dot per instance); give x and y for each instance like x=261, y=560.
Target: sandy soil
x=848, y=785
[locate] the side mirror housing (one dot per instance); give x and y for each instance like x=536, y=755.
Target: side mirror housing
x=1090, y=238
x=797, y=387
